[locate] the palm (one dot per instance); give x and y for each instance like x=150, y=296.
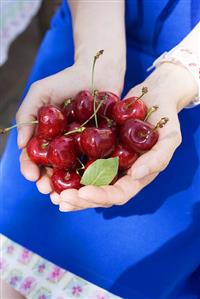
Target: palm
x=144, y=170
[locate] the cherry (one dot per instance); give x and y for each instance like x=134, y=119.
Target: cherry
x=109, y=99
x=37, y=150
x=98, y=143
x=68, y=109
x=83, y=106
x=126, y=156
x=62, y=152
x=130, y=108
x=89, y=162
x=139, y=135
x=51, y=122
x=108, y=123
x=62, y=180
x=76, y=136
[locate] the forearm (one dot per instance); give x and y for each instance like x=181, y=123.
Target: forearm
x=99, y=25
x=175, y=81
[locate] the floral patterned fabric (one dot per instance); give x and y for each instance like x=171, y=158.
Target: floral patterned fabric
x=36, y=278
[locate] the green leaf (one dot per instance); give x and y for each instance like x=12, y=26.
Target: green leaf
x=101, y=172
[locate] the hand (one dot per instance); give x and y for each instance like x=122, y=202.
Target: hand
x=166, y=90
x=54, y=90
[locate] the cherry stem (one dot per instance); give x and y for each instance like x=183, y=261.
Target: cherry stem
x=67, y=102
x=5, y=130
x=109, y=120
x=80, y=168
x=82, y=127
x=78, y=130
x=94, y=94
x=150, y=111
x=144, y=91
x=94, y=108
x=44, y=145
x=93, y=115
x=162, y=122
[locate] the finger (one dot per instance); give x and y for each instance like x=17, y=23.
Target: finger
x=27, y=113
x=130, y=187
x=158, y=158
x=44, y=182
x=117, y=194
x=29, y=169
x=96, y=196
x=70, y=200
x=55, y=198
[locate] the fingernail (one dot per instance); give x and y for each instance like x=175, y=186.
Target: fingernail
x=20, y=139
x=65, y=207
x=140, y=172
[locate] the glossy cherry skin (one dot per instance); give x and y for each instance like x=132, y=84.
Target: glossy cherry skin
x=51, y=122
x=62, y=153
x=130, y=108
x=83, y=106
x=37, y=150
x=126, y=156
x=62, y=180
x=76, y=136
x=69, y=111
x=89, y=162
x=111, y=124
x=109, y=100
x=98, y=143
x=139, y=135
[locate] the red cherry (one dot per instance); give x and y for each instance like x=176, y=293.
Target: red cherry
x=62, y=152
x=37, y=150
x=126, y=156
x=139, y=135
x=68, y=109
x=109, y=99
x=130, y=108
x=76, y=136
x=89, y=163
x=62, y=180
x=108, y=123
x=98, y=143
x=51, y=122
x=83, y=106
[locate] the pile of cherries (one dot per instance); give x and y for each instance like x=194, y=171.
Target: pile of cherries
x=93, y=125
x=89, y=127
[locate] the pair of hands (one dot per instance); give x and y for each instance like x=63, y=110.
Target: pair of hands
x=163, y=92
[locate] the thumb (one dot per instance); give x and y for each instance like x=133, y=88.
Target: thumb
x=26, y=114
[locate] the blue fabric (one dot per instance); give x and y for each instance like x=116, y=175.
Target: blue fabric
x=150, y=247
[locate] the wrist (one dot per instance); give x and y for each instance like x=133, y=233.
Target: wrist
x=109, y=71
x=176, y=84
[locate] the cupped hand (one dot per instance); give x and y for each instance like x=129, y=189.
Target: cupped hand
x=166, y=92
x=54, y=90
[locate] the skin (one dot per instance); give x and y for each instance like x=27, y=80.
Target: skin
x=170, y=97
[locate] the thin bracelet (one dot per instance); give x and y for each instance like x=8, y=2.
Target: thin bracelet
x=184, y=57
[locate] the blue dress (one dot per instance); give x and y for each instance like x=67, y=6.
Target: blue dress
x=150, y=247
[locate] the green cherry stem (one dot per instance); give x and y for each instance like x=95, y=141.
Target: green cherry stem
x=82, y=127
x=150, y=111
x=99, y=53
x=67, y=102
x=78, y=130
x=144, y=91
x=93, y=115
x=81, y=167
x=162, y=122
x=94, y=93
x=94, y=108
x=5, y=130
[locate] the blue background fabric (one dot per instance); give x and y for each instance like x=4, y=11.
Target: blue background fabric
x=150, y=247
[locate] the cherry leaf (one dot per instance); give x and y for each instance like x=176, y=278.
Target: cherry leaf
x=101, y=172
